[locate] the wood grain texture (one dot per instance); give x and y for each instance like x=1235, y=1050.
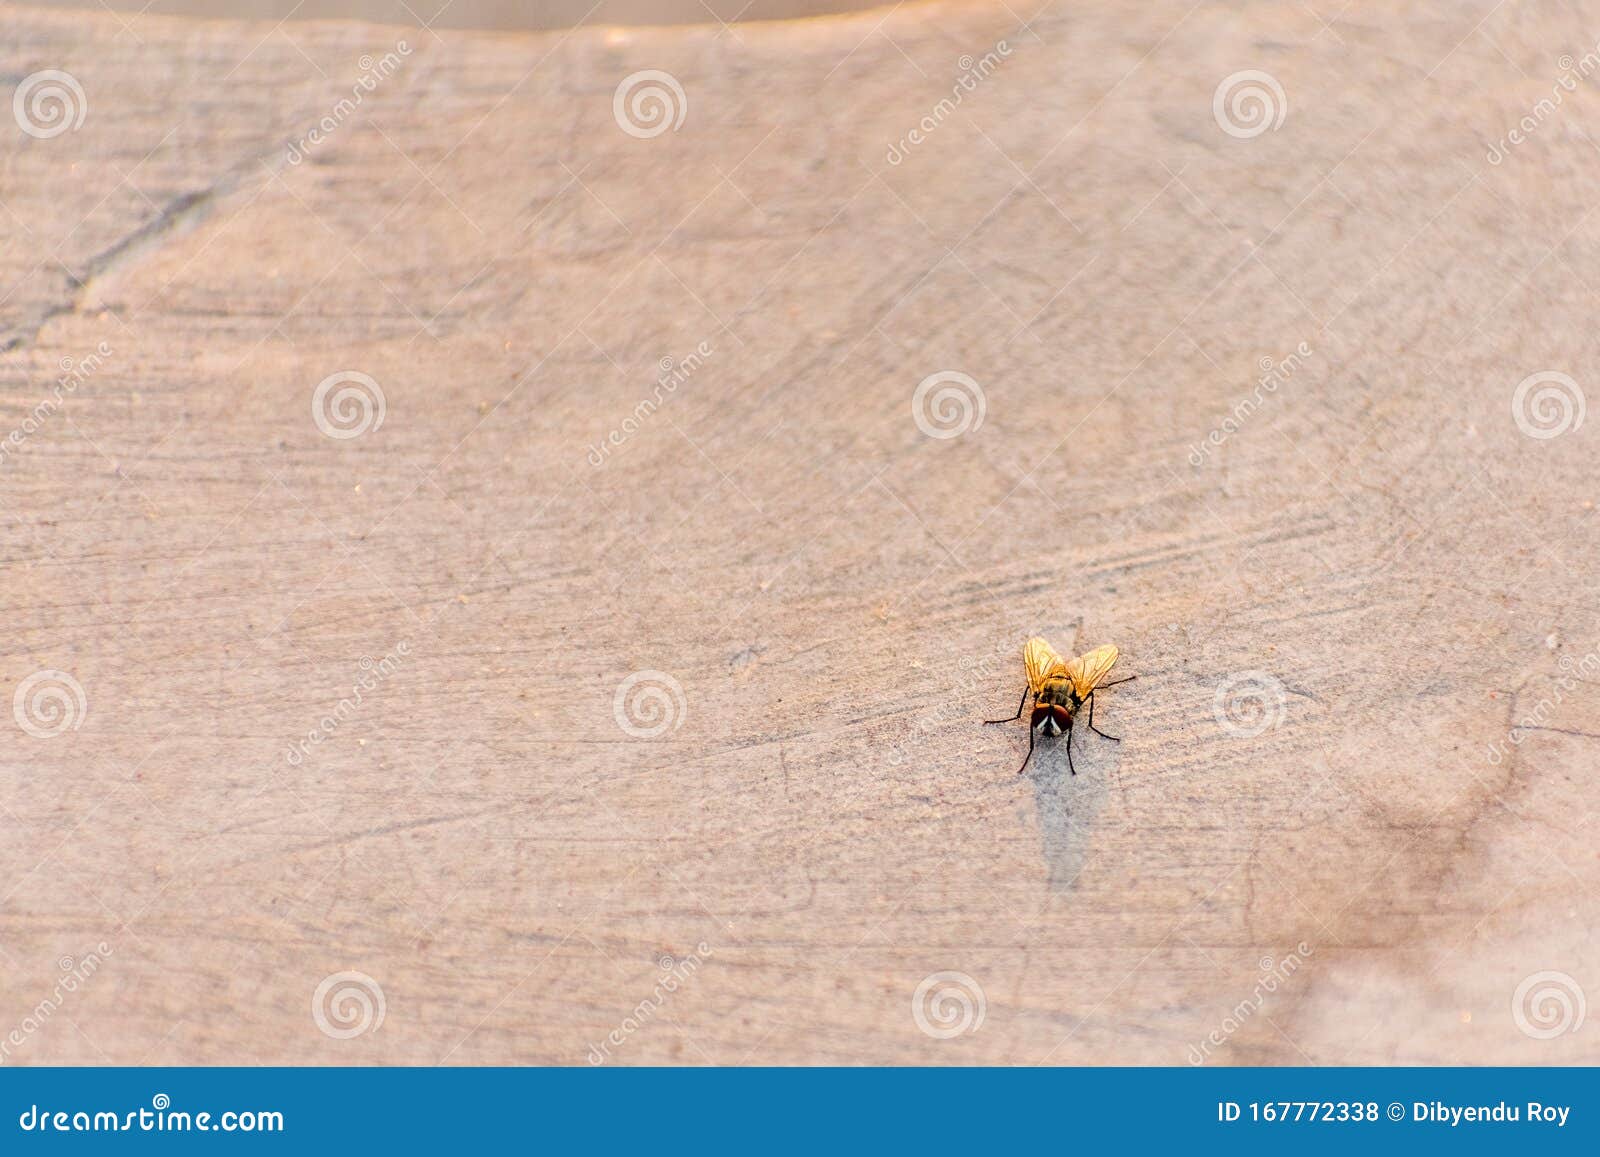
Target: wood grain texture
x=1374, y=545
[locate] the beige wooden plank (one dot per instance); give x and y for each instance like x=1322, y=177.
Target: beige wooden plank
x=1384, y=569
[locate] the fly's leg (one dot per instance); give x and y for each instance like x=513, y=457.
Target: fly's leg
x=1029, y=756
x=1018, y=715
x=1096, y=730
x=1070, y=768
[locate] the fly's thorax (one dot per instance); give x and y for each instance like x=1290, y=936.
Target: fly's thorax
x=1059, y=693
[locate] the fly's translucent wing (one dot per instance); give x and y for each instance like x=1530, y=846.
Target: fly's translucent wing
x=1041, y=660
x=1089, y=668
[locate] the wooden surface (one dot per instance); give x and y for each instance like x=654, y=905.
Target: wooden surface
x=1377, y=549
